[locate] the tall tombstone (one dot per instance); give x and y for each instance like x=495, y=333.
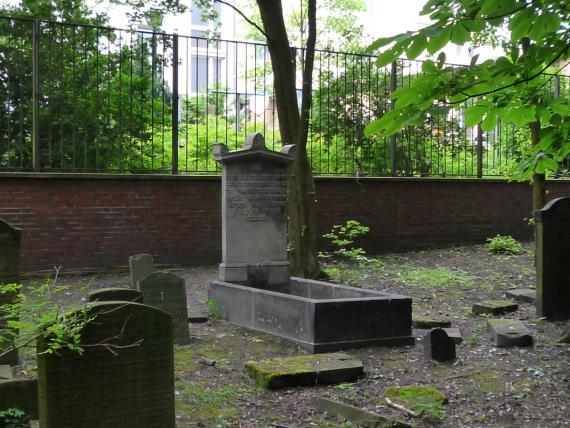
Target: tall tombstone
x=140, y=266
x=10, y=238
x=125, y=377
x=254, y=213
x=552, y=260
x=167, y=292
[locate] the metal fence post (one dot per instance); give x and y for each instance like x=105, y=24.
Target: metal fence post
x=36, y=95
x=175, y=104
x=393, y=138
x=479, y=152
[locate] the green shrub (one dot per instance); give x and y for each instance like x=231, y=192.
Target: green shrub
x=503, y=245
x=342, y=237
x=13, y=418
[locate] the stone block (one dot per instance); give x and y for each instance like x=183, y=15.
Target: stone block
x=507, y=333
x=304, y=370
x=124, y=379
x=140, y=266
x=114, y=294
x=6, y=372
x=455, y=334
x=439, y=346
x=427, y=323
x=526, y=295
x=494, y=307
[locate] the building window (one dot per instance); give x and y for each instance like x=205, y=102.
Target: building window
x=199, y=72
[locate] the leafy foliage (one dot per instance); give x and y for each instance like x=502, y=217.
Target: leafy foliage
x=508, y=88
x=342, y=237
x=504, y=245
x=13, y=418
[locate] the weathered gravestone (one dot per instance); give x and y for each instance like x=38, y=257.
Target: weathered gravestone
x=167, y=292
x=254, y=209
x=140, y=266
x=125, y=377
x=9, y=273
x=113, y=294
x=439, y=346
x=552, y=257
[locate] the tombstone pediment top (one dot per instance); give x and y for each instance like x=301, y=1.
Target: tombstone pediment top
x=557, y=209
x=254, y=148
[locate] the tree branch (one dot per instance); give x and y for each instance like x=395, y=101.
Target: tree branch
x=249, y=21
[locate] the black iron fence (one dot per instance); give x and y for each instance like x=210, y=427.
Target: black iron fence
x=83, y=98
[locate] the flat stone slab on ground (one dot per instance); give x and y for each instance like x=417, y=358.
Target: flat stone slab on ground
x=6, y=372
x=494, y=307
x=304, y=370
x=455, y=334
x=527, y=295
x=355, y=415
x=507, y=333
x=427, y=323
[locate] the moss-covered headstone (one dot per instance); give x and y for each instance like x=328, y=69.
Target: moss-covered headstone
x=125, y=377
x=9, y=273
x=167, y=292
x=552, y=255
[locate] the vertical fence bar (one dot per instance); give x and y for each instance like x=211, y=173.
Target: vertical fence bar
x=36, y=95
x=175, y=103
x=393, y=139
x=479, y=152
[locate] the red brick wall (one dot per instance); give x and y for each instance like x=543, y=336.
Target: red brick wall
x=89, y=221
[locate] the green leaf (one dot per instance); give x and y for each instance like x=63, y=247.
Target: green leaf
x=460, y=34
x=474, y=115
x=520, y=24
x=379, y=43
x=386, y=58
x=546, y=23
x=428, y=67
x=417, y=46
x=560, y=106
x=441, y=59
x=489, y=122
x=436, y=43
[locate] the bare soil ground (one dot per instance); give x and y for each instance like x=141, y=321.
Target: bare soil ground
x=486, y=386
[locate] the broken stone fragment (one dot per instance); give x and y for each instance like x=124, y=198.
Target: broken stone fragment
x=526, y=295
x=507, y=333
x=304, y=370
x=455, y=334
x=494, y=307
x=426, y=323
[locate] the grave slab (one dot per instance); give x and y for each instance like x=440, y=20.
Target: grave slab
x=424, y=323
x=140, y=266
x=439, y=346
x=526, y=295
x=304, y=370
x=127, y=382
x=455, y=334
x=167, y=292
x=111, y=294
x=508, y=332
x=361, y=418
x=20, y=393
x=494, y=307
x=552, y=255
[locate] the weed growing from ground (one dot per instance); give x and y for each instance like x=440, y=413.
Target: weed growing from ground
x=504, y=245
x=439, y=277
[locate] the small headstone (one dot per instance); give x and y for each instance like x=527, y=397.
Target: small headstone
x=427, y=323
x=507, y=333
x=361, y=418
x=439, y=346
x=140, y=266
x=526, y=295
x=552, y=255
x=304, y=370
x=124, y=378
x=167, y=292
x=254, y=214
x=20, y=393
x=115, y=294
x=10, y=238
x=454, y=334
x=494, y=307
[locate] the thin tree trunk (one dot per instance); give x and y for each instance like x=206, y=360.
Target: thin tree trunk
x=293, y=126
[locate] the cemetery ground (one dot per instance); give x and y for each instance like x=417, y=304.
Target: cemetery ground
x=485, y=386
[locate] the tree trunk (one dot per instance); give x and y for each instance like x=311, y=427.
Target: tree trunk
x=538, y=180
x=293, y=126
